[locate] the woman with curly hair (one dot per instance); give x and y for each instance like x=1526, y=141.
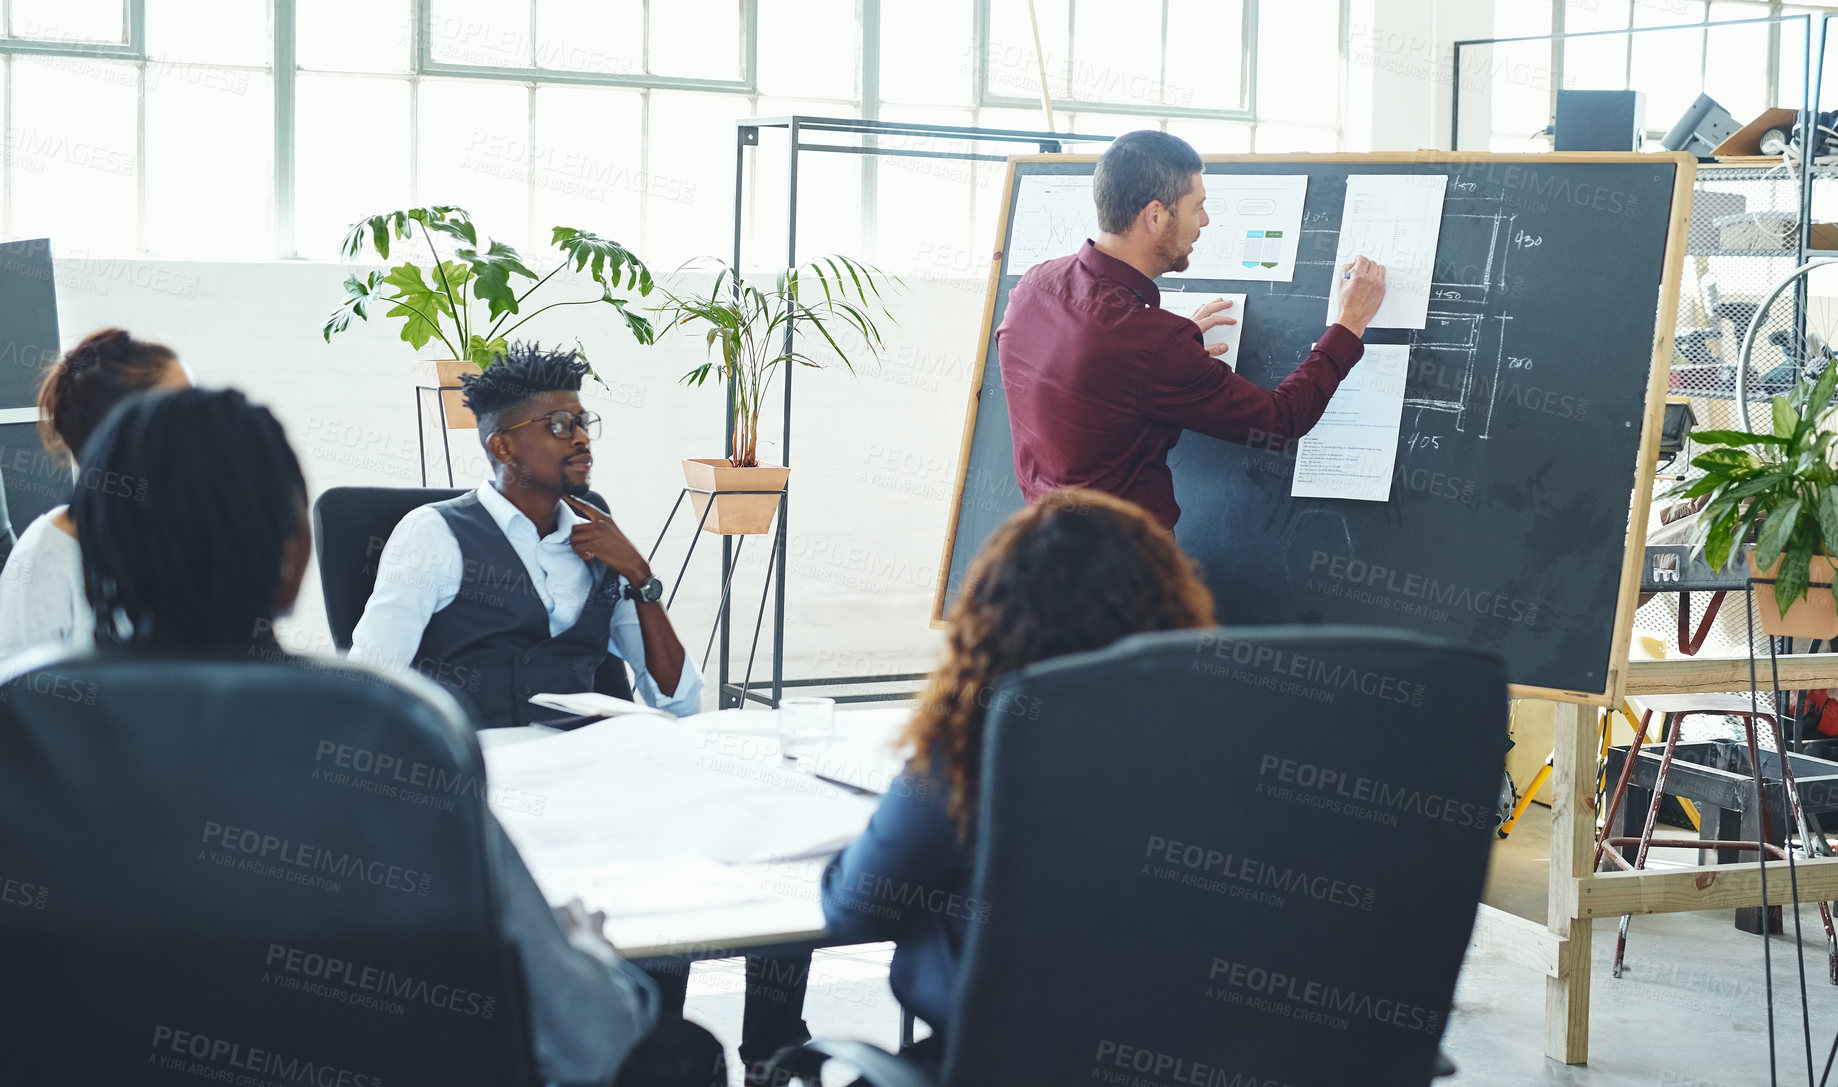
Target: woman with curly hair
x=1074, y=572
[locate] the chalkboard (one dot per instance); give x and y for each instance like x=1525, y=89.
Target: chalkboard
x=1526, y=455
x=34, y=482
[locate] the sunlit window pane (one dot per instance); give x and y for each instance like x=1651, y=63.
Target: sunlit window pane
x=208, y=195
x=494, y=33
x=605, y=36
x=1299, y=80
x=342, y=120
x=938, y=242
x=696, y=38
x=808, y=48
x=1012, y=64
x=928, y=52
x=1737, y=75
x=689, y=203
x=1596, y=63
x=1116, y=52
x=68, y=20
x=1206, y=51
x=1518, y=18
x=829, y=195
x=1514, y=79
x=1794, y=61
x=71, y=152
x=1667, y=70
x=1092, y=123
x=474, y=143
x=1213, y=137
x=1275, y=139
x=325, y=41
x=587, y=162
x=209, y=31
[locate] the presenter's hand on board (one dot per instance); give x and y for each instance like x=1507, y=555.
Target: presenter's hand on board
x=599, y=538
x=1362, y=287
x=1211, y=315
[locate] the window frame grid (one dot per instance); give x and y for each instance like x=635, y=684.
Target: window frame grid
x=133, y=23
x=981, y=96
x=422, y=62
x=1767, y=10
x=284, y=70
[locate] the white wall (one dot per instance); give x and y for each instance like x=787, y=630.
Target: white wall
x=873, y=457
x=1401, y=53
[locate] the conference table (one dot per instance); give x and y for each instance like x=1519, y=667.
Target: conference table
x=695, y=836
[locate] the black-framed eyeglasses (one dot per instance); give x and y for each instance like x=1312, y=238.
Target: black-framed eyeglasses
x=563, y=424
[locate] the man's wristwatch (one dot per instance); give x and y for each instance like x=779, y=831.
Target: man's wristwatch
x=649, y=591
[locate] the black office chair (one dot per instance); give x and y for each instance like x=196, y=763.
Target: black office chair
x=350, y=527
x=248, y=871
x=1257, y=849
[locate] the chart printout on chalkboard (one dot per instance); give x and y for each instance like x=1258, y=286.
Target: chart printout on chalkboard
x=1525, y=457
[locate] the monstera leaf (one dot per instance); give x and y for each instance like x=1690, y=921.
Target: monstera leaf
x=439, y=300
x=422, y=302
x=492, y=271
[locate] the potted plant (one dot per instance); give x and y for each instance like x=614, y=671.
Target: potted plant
x=746, y=337
x=1779, y=491
x=470, y=301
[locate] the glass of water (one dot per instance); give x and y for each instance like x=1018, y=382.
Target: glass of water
x=806, y=726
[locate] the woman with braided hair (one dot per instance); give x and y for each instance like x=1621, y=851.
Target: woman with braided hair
x=41, y=589
x=195, y=539
x=1073, y=572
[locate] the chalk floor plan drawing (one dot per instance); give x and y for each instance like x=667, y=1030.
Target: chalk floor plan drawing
x=1458, y=359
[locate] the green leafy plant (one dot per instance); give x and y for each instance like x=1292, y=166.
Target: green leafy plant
x=747, y=327
x=470, y=300
x=1775, y=490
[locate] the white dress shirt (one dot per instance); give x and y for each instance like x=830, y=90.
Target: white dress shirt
x=419, y=574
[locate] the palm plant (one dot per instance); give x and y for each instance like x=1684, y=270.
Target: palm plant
x=1778, y=489
x=434, y=303
x=751, y=332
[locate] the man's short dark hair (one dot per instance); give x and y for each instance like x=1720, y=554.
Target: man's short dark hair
x=1139, y=167
x=523, y=371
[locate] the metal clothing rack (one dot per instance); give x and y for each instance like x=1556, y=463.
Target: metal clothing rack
x=797, y=128
x=421, y=428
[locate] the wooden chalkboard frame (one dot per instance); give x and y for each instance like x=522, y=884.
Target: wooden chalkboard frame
x=1676, y=234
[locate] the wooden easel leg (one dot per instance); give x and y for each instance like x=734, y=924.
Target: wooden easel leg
x=1573, y=832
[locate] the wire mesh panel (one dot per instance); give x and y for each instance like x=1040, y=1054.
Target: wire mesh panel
x=1744, y=239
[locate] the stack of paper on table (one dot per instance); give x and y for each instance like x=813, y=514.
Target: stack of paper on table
x=594, y=704
x=643, y=788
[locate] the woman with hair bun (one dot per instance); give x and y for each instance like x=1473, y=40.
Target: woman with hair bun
x=41, y=589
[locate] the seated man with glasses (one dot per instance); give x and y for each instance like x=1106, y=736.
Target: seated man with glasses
x=522, y=587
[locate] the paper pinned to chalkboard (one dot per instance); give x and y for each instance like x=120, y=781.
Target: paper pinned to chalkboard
x=1185, y=303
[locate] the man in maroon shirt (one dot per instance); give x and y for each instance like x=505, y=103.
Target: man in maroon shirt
x=1101, y=380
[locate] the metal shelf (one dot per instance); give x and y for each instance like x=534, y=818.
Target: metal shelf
x=1779, y=254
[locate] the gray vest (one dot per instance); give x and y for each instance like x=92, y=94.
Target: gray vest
x=491, y=646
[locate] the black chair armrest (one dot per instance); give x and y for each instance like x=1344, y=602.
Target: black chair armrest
x=878, y=1067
